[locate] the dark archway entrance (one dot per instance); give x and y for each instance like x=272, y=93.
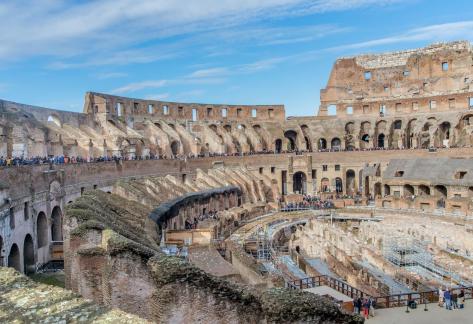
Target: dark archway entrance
x=377, y=189
x=338, y=185
x=322, y=144
x=324, y=185
x=336, y=144
x=56, y=226
x=278, y=146
x=42, y=230
x=350, y=179
x=292, y=140
x=175, y=148
x=299, y=183
x=28, y=255
x=381, y=140
x=14, y=258
x=367, y=186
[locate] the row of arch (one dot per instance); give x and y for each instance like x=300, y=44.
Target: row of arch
x=43, y=232
x=299, y=183
x=408, y=190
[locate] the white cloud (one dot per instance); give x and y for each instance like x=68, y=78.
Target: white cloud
x=110, y=75
x=211, y=72
x=131, y=87
x=67, y=29
x=432, y=33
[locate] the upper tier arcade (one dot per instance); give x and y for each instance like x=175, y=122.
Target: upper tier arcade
x=115, y=106
x=435, y=78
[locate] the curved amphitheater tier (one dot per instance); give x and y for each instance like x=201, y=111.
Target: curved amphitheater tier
x=395, y=161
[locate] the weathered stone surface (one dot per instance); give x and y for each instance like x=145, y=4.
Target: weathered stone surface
x=25, y=301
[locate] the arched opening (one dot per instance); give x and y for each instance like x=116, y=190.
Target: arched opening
x=336, y=144
x=324, y=185
x=305, y=132
x=349, y=136
x=28, y=255
x=365, y=141
x=213, y=127
x=56, y=226
x=308, y=147
x=387, y=190
x=444, y=134
x=175, y=148
x=14, y=258
x=292, y=140
x=299, y=183
x=381, y=140
x=262, y=137
x=470, y=194
x=410, y=133
x=408, y=190
x=367, y=186
x=278, y=146
x=440, y=191
x=228, y=128
x=397, y=124
x=377, y=189
x=338, y=185
x=350, y=179
x=42, y=230
x=322, y=144
x=54, y=120
x=424, y=190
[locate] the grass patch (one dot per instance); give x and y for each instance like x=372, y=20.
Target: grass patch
x=54, y=278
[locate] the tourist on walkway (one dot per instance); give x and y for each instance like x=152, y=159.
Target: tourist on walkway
x=359, y=304
x=461, y=298
x=356, y=310
x=441, y=293
x=372, y=306
x=455, y=300
x=448, y=299
x=366, y=308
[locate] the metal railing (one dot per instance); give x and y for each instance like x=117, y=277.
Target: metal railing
x=395, y=300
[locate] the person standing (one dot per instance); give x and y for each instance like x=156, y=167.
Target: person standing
x=441, y=295
x=448, y=299
x=356, y=310
x=454, y=300
x=461, y=298
x=366, y=308
x=372, y=306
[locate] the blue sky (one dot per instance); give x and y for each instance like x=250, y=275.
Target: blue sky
x=210, y=51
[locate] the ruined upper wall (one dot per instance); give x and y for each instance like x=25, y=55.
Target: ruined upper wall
x=435, y=78
x=115, y=106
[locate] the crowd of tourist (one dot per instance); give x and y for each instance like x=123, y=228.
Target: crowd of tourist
x=308, y=202
x=364, y=306
x=189, y=224
x=17, y=161
x=62, y=159
x=451, y=300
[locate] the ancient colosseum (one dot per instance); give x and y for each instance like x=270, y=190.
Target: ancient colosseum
x=183, y=212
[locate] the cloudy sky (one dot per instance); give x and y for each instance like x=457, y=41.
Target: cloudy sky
x=210, y=51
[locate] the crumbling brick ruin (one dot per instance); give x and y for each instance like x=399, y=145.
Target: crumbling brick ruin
x=392, y=144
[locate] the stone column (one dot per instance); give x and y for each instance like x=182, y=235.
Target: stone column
x=290, y=175
x=309, y=180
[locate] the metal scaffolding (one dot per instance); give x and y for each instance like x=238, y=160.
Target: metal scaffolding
x=413, y=255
